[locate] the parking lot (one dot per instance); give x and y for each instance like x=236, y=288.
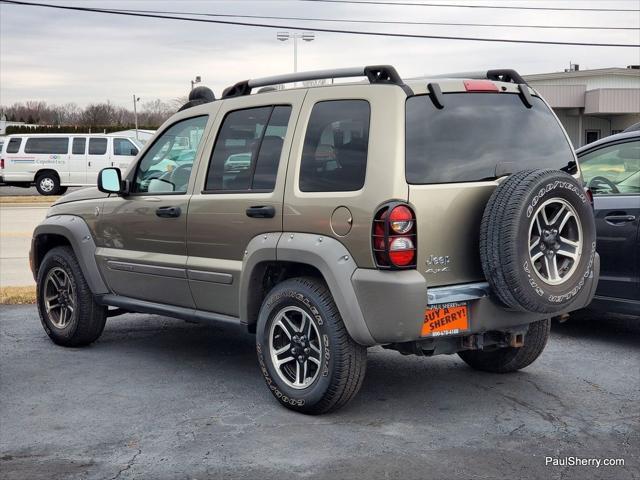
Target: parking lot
x=159, y=398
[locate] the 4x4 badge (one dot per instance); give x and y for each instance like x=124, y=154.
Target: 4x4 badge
x=438, y=263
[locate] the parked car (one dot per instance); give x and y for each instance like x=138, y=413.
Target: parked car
x=436, y=216
x=57, y=161
x=632, y=128
x=611, y=169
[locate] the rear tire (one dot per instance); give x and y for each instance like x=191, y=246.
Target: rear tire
x=327, y=366
x=68, y=312
x=510, y=359
x=48, y=183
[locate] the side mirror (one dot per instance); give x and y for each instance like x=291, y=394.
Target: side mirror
x=110, y=181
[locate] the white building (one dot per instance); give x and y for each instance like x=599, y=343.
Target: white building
x=592, y=104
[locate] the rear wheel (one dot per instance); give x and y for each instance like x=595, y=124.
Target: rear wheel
x=510, y=359
x=308, y=359
x=48, y=183
x=68, y=312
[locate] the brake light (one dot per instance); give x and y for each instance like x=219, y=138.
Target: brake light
x=480, y=86
x=1, y=163
x=394, y=237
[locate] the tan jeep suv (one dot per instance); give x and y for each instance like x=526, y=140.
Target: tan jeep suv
x=434, y=216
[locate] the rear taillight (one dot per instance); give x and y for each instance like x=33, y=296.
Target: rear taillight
x=1, y=163
x=394, y=236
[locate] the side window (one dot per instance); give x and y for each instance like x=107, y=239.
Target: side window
x=122, y=146
x=334, y=156
x=247, y=151
x=613, y=170
x=166, y=166
x=97, y=146
x=14, y=145
x=47, y=145
x=79, y=146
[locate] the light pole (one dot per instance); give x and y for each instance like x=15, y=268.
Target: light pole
x=197, y=80
x=135, y=112
x=306, y=36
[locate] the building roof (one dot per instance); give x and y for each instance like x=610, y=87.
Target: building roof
x=584, y=73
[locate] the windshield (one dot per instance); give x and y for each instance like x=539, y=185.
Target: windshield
x=481, y=136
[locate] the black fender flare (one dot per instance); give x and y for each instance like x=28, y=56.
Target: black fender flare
x=77, y=232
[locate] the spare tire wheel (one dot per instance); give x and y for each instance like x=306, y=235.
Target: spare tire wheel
x=537, y=241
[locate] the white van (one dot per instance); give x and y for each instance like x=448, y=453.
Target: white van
x=57, y=161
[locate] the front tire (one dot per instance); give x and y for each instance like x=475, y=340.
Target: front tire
x=68, y=312
x=510, y=359
x=309, y=361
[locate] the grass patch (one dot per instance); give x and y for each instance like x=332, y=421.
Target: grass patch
x=27, y=199
x=17, y=295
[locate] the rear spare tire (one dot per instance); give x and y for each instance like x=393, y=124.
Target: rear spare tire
x=537, y=241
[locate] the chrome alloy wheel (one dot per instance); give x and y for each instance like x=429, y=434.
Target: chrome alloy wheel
x=59, y=297
x=47, y=184
x=555, y=241
x=295, y=347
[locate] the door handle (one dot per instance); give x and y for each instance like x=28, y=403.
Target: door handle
x=168, y=212
x=262, y=211
x=619, y=219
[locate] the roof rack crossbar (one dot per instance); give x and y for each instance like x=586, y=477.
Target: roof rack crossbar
x=500, y=75
x=375, y=74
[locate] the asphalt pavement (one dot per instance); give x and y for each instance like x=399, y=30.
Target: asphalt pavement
x=159, y=398
x=19, y=191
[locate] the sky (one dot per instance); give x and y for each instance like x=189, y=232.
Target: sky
x=68, y=56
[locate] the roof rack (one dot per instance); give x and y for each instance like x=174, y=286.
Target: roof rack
x=385, y=74
x=499, y=75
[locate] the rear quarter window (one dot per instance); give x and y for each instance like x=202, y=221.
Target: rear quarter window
x=481, y=136
x=334, y=156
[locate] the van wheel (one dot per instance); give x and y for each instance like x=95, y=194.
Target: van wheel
x=308, y=359
x=68, y=312
x=510, y=359
x=48, y=183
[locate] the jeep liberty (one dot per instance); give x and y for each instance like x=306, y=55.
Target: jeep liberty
x=431, y=216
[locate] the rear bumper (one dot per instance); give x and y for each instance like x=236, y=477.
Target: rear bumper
x=393, y=304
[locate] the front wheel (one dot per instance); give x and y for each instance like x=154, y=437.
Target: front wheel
x=308, y=359
x=68, y=312
x=511, y=359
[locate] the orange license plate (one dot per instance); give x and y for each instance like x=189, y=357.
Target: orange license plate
x=445, y=319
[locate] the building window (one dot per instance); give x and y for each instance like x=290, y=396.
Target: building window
x=591, y=136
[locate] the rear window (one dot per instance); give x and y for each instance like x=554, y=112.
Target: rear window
x=47, y=145
x=481, y=136
x=14, y=145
